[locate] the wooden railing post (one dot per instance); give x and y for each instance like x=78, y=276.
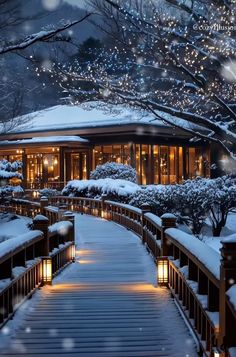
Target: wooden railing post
x=168, y=220
x=69, y=216
x=41, y=223
x=104, y=214
x=145, y=209
x=227, y=278
x=43, y=204
x=61, y=211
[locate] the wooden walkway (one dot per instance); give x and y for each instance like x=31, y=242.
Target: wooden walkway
x=104, y=305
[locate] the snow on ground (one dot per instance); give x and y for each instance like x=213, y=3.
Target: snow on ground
x=12, y=225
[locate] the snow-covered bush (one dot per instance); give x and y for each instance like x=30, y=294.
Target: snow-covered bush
x=221, y=198
x=10, y=190
x=114, y=170
x=9, y=170
x=8, y=174
x=118, y=190
x=159, y=198
x=190, y=200
x=49, y=192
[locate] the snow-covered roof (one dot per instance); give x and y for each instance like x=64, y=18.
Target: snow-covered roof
x=84, y=116
x=42, y=140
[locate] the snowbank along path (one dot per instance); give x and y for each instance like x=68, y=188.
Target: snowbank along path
x=105, y=304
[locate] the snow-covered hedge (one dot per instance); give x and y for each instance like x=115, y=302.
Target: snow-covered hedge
x=49, y=192
x=193, y=201
x=118, y=190
x=114, y=170
x=10, y=190
x=159, y=198
x=9, y=170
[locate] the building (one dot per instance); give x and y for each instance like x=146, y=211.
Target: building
x=66, y=142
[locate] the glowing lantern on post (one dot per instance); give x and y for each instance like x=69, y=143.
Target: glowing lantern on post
x=47, y=270
x=73, y=253
x=162, y=271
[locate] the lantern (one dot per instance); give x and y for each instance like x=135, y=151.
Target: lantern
x=47, y=270
x=73, y=253
x=162, y=271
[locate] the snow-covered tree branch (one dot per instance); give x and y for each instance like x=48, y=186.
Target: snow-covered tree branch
x=174, y=59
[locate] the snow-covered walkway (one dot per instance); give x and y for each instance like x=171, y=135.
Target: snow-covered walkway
x=106, y=304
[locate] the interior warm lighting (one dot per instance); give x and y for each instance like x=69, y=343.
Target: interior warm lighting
x=45, y=161
x=35, y=194
x=55, y=161
x=162, y=271
x=47, y=271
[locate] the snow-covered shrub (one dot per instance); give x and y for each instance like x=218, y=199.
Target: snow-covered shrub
x=221, y=199
x=8, y=174
x=114, y=170
x=49, y=192
x=159, y=198
x=118, y=190
x=9, y=190
x=190, y=200
x=9, y=170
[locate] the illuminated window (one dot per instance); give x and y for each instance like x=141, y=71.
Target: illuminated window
x=172, y=164
x=43, y=166
x=181, y=165
x=137, y=162
x=126, y=155
x=156, y=167
x=145, y=163
x=116, y=153
x=164, y=165
x=97, y=156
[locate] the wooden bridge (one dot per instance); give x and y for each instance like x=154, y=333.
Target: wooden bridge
x=107, y=302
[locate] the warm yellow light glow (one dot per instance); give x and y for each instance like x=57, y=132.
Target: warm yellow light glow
x=217, y=352
x=162, y=271
x=47, y=271
x=86, y=261
x=55, y=162
x=45, y=161
x=73, y=252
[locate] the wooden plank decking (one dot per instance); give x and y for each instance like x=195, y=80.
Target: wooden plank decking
x=105, y=304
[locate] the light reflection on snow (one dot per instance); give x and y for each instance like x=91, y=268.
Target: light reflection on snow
x=68, y=344
x=53, y=332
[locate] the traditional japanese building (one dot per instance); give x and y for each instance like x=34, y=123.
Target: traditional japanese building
x=67, y=142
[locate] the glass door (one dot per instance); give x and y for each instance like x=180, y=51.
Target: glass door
x=78, y=166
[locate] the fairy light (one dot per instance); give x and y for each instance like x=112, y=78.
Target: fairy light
x=154, y=58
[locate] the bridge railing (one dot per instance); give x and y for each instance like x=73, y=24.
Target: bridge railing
x=199, y=277
x=31, y=260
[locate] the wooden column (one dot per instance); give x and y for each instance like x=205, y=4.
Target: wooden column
x=168, y=221
x=43, y=204
x=24, y=169
x=227, y=335
x=62, y=165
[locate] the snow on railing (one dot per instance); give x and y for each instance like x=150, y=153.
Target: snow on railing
x=206, y=255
